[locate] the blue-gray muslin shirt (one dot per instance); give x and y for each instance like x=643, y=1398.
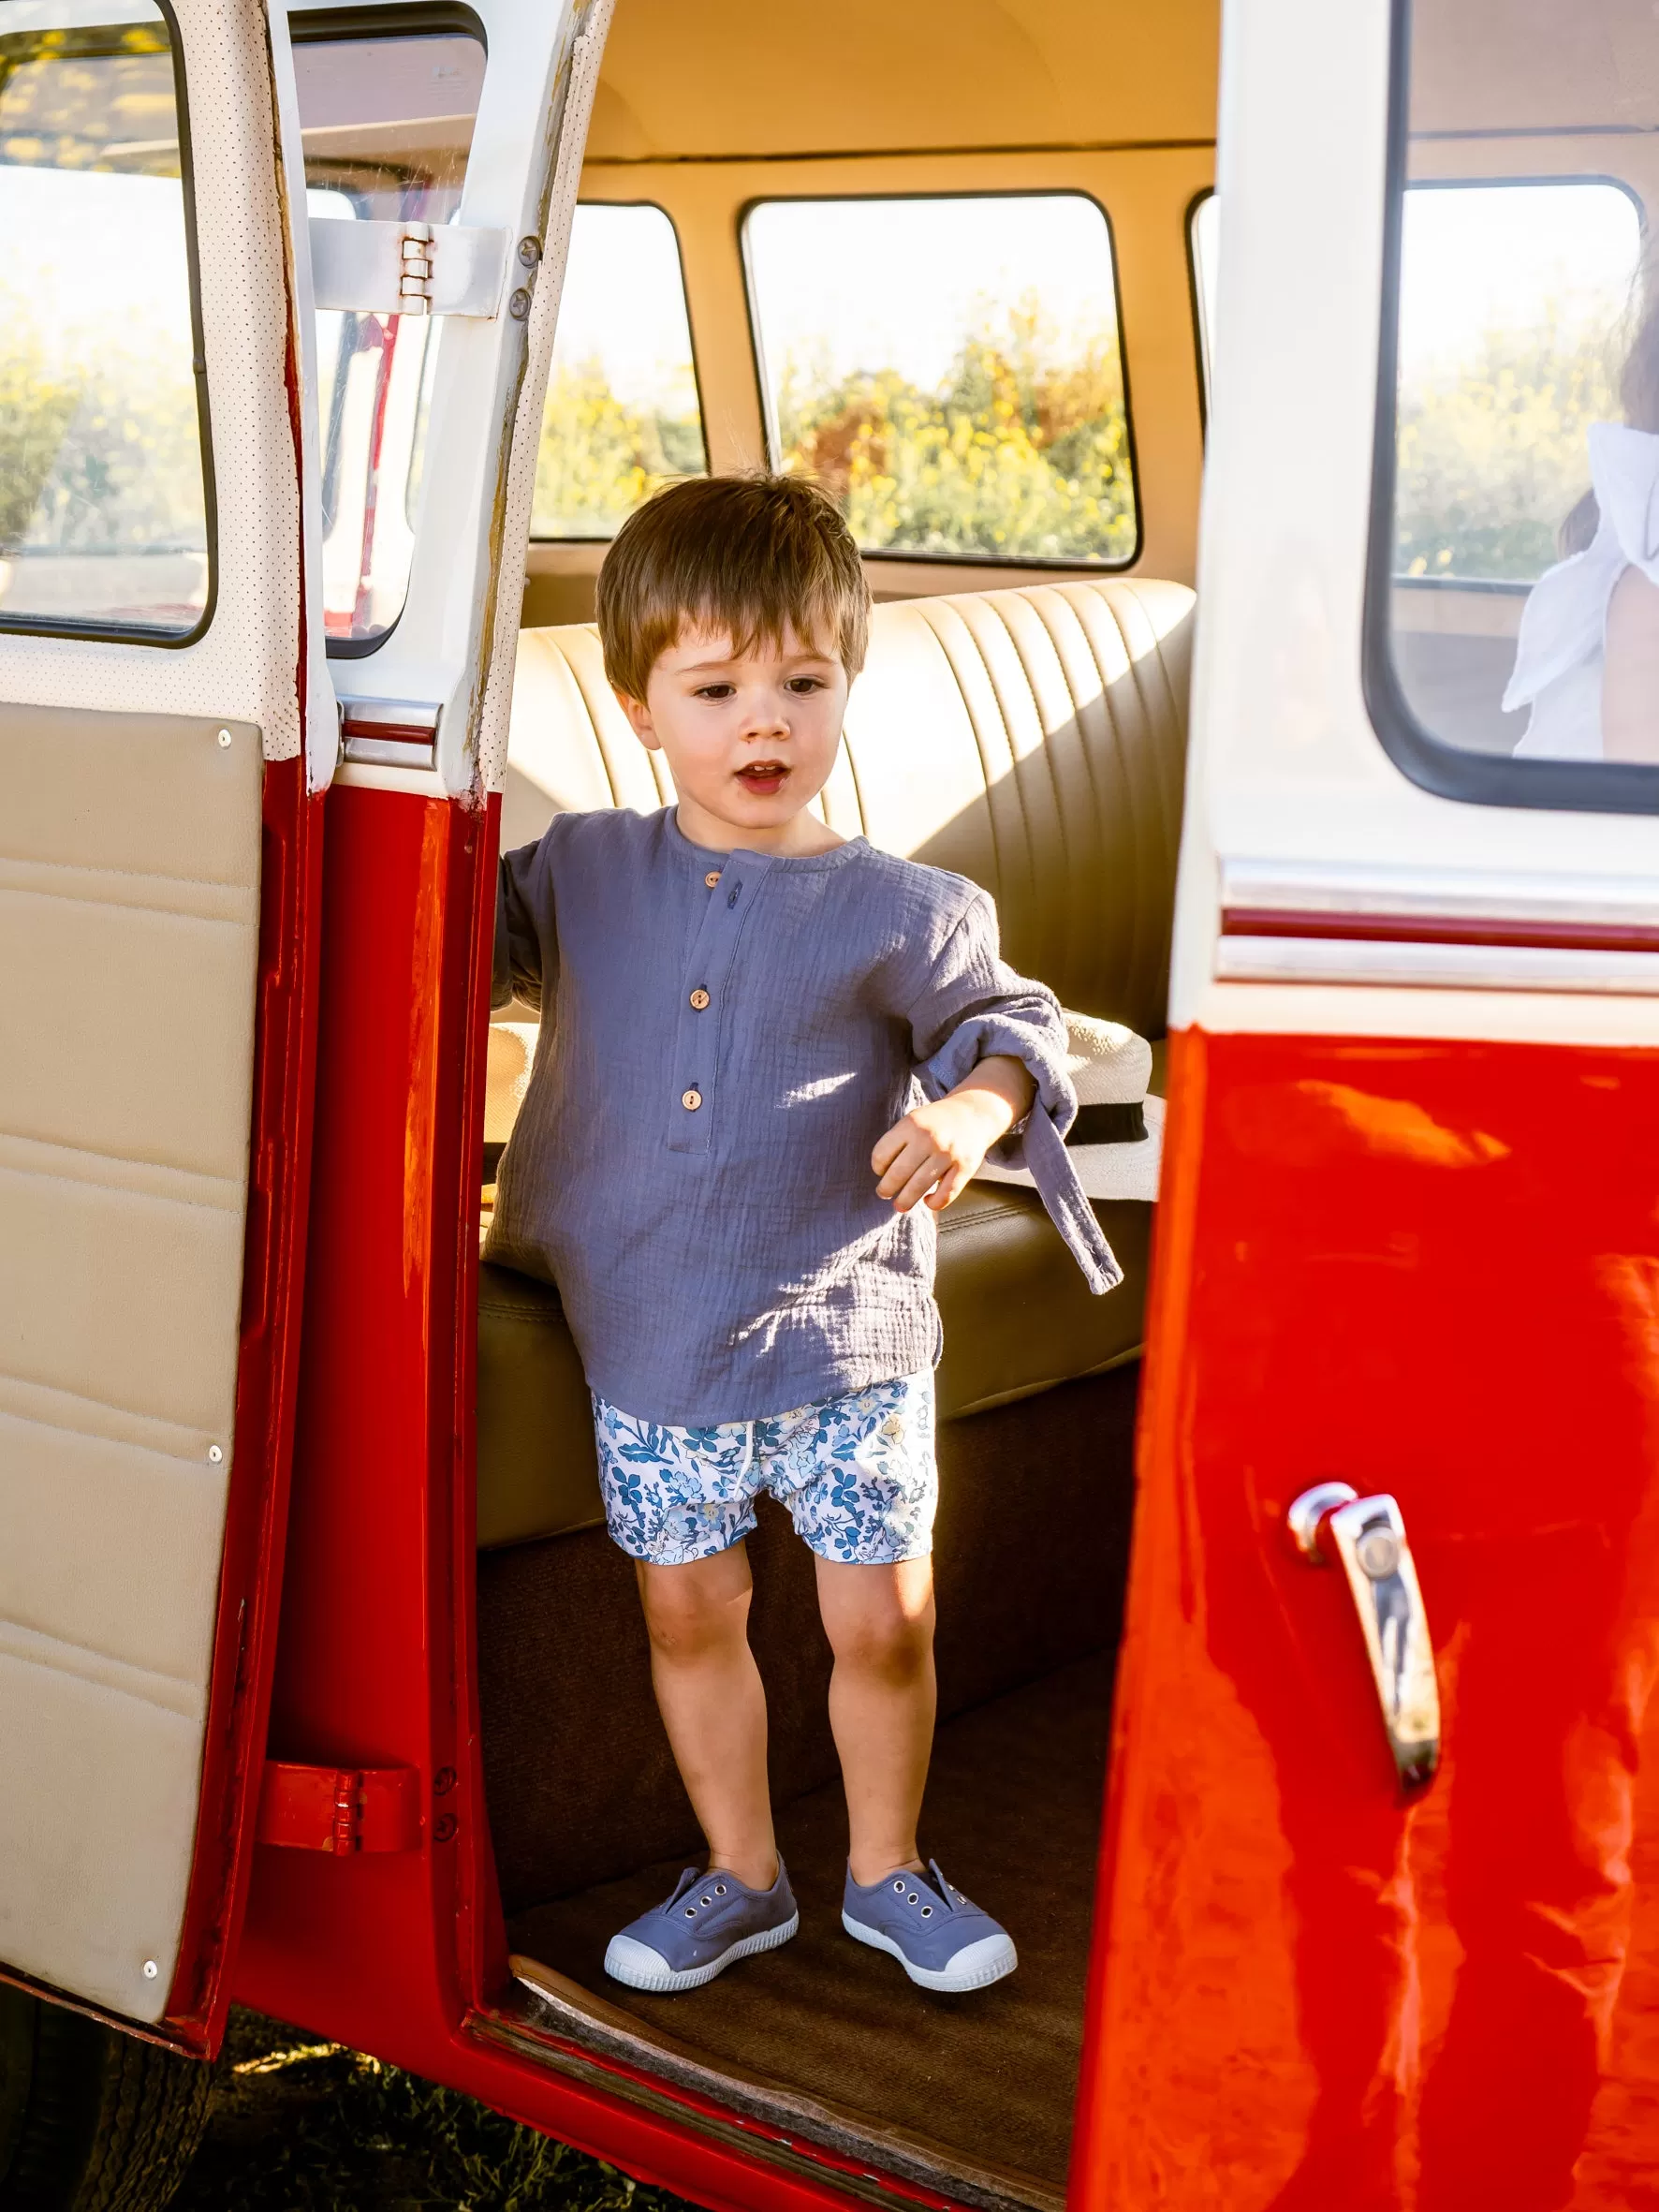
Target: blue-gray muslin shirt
x=724, y=1038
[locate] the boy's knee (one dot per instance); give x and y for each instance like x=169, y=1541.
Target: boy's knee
x=886, y=1634
x=689, y=1614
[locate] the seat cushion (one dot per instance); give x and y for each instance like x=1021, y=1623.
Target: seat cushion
x=1018, y=1320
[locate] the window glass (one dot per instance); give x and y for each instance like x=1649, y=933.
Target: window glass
x=622, y=416
x=103, y=500
x=386, y=125
x=949, y=370
x=1203, y=233
x=1520, y=605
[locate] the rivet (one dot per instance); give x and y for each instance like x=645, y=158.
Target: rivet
x=529, y=251
x=224, y=737
x=216, y=1454
x=444, y=1828
x=150, y=1969
x=442, y=1781
x=518, y=305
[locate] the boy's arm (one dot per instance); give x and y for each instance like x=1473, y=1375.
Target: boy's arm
x=992, y=1052
x=521, y=889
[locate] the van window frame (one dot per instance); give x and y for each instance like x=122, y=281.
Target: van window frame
x=1052, y=564
x=539, y=538
x=1203, y=337
x=138, y=633
x=344, y=25
x=1448, y=770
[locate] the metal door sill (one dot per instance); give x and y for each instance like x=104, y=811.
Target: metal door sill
x=554, y=2021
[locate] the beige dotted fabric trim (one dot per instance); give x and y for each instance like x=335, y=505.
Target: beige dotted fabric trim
x=544, y=313
x=244, y=667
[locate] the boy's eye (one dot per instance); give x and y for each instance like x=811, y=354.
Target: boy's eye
x=714, y=692
x=803, y=686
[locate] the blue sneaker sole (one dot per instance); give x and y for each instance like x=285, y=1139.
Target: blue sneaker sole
x=976, y=1967
x=636, y=1964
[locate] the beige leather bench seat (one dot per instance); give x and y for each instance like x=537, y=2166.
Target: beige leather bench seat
x=1032, y=740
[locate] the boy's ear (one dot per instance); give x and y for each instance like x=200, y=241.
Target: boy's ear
x=639, y=715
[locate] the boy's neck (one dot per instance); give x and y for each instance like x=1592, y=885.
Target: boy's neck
x=797, y=837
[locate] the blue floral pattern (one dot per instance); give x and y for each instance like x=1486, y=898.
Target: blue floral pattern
x=857, y=1474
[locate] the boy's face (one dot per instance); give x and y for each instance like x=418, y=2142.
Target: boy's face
x=750, y=741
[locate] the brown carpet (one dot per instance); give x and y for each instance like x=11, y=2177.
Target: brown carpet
x=1030, y=1553
x=1013, y=1814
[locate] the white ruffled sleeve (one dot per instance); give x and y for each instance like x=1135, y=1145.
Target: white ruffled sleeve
x=1564, y=622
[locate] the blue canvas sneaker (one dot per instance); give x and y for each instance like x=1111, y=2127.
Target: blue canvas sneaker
x=940, y=1939
x=710, y=1920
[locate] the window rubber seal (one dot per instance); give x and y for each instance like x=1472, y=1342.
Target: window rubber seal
x=1449, y=772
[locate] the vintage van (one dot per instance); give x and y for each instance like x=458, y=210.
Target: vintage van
x=332, y=347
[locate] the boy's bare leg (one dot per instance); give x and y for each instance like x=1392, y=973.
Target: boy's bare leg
x=709, y=1693
x=879, y=1621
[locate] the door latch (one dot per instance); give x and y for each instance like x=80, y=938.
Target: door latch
x=1367, y=1538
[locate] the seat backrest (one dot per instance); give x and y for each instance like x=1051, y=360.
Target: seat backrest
x=1032, y=740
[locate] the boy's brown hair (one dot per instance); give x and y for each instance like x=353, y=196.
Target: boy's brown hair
x=749, y=555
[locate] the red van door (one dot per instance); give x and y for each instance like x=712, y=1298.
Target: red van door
x=166, y=729
x=1378, y=1923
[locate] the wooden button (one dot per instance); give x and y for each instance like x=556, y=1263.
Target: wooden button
x=691, y=1100
x=699, y=998
x=712, y=877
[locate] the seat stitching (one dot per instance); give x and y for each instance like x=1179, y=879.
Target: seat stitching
x=1078, y=877
x=926, y=613
x=593, y=724
x=24, y=860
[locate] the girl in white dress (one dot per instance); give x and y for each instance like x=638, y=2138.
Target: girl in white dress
x=1587, y=658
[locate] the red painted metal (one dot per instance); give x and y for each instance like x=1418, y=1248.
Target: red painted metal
x=291, y=870
x=1432, y=1269
x=340, y=1808
x=1441, y=929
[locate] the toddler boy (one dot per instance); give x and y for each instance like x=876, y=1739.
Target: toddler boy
x=769, y=1056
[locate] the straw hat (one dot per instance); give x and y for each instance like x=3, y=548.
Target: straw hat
x=1117, y=1135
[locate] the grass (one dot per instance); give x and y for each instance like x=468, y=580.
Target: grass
x=300, y=2125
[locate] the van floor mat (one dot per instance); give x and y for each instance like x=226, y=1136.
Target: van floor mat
x=1012, y=1814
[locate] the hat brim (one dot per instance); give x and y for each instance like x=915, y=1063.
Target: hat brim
x=1106, y=1172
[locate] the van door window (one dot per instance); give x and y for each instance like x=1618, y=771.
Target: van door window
x=386, y=125
x=622, y=417
x=104, y=506
x=949, y=369
x=1515, y=557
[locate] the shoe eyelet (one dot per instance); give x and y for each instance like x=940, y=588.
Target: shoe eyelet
x=899, y=1886
x=720, y=1888
x=705, y=1901
x=691, y=1912
x=927, y=1912
x=912, y=1898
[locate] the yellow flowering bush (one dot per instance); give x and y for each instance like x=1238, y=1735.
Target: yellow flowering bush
x=1492, y=459
x=96, y=455
x=1014, y=458
x=598, y=458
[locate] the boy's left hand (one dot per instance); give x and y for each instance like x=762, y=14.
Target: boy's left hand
x=935, y=1151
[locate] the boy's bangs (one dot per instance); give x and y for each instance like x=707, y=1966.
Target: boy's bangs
x=755, y=558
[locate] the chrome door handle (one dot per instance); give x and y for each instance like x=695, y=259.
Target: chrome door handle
x=1368, y=1537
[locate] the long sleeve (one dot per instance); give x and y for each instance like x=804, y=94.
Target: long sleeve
x=969, y=1006
x=526, y=942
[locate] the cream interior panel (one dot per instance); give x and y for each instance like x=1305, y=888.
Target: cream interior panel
x=129, y=893
x=92, y=1775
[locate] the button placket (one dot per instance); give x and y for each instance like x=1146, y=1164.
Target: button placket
x=697, y=1038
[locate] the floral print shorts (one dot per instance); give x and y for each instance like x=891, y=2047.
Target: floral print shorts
x=857, y=1474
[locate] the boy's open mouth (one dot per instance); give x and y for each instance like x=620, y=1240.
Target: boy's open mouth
x=764, y=777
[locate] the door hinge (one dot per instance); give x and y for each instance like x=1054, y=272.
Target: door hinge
x=373, y=267
x=340, y=1808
